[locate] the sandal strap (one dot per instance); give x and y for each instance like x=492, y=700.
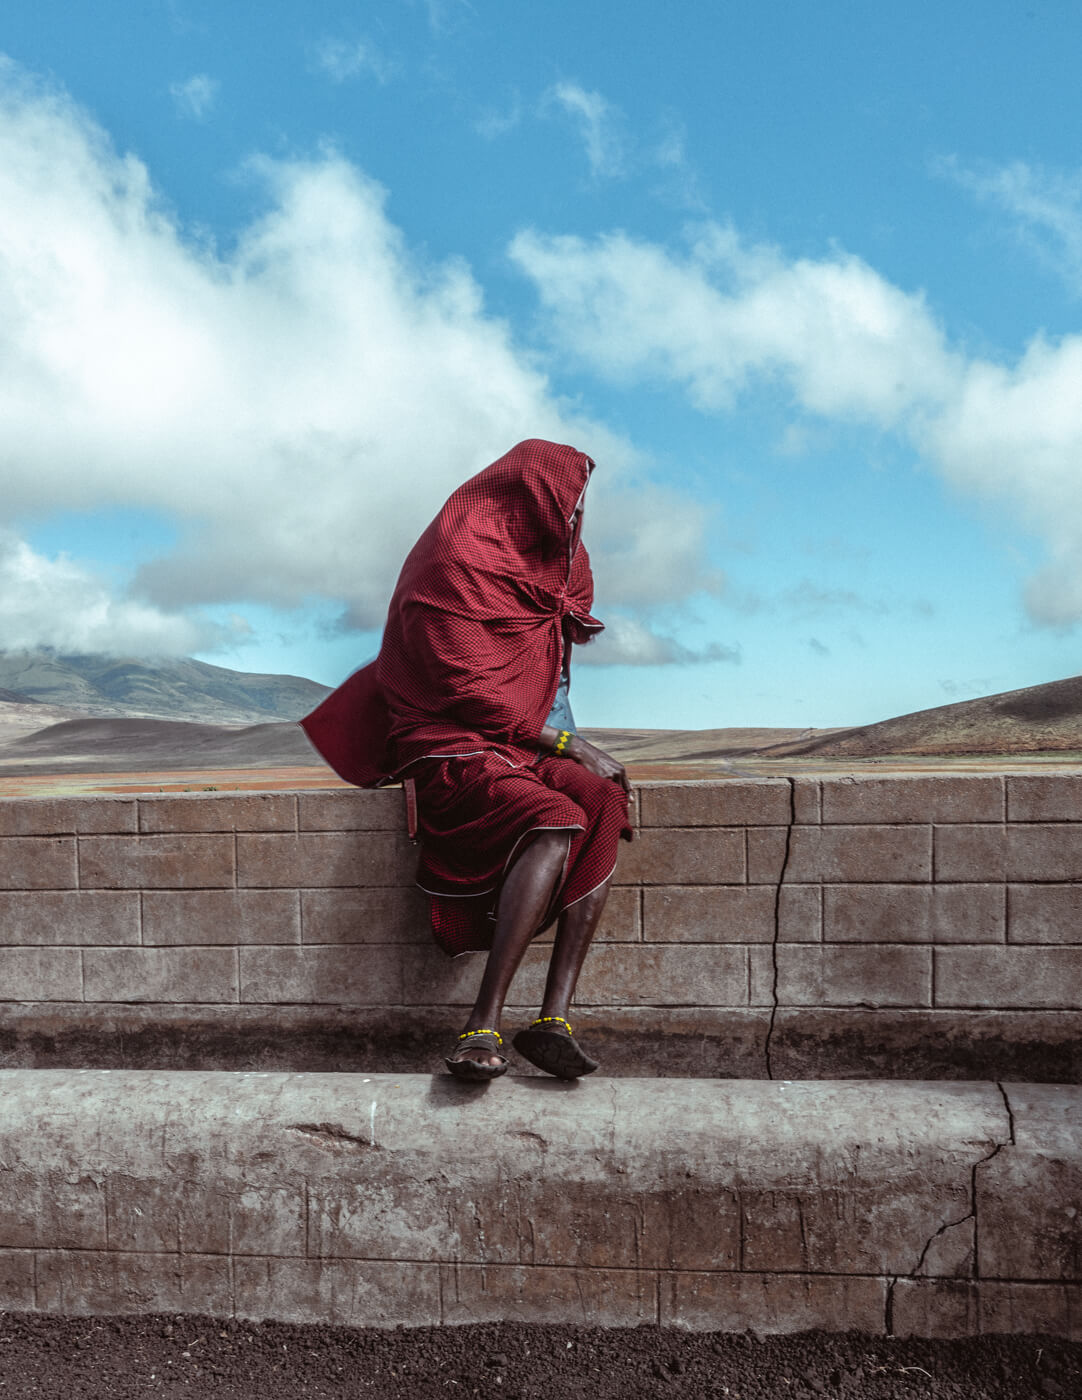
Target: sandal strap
x=483, y=1031
x=545, y=1020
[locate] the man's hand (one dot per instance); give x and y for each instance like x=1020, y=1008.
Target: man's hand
x=595, y=760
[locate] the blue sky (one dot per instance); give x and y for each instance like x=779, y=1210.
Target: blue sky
x=804, y=278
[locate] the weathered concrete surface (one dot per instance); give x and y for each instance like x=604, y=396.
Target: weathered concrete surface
x=377, y=1199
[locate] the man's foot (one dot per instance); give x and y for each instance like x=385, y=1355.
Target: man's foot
x=549, y=1044
x=477, y=1055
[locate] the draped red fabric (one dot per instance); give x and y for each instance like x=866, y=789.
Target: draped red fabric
x=472, y=648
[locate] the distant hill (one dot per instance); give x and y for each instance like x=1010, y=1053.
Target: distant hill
x=179, y=689
x=1037, y=719
x=135, y=745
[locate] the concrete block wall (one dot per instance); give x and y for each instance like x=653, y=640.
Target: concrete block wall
x=940, y=1209
x=900, y=926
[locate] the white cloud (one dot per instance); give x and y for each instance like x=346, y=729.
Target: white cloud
x=597, y=122
x=57, y=603
x=195, y=96
x=841, y=343
x=722, y=313
x=342, y=59
x=1045, y=206
x=628, y=642
x=299, y=407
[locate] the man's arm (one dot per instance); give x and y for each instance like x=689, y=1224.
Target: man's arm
x=593, y=759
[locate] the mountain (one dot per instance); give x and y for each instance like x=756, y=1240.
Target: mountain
x=138, y=745
x=1037, y=719
x=179, y=689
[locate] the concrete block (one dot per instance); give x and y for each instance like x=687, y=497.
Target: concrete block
x=1013, y=976
x=767, y=847
x=1045, y=797
x=851, y=975
x=325, y=859
x=205, y=917
x=952, y=1253
x=913, y=914
x=683, y=856
x=728, y=802
x=970, y=854
x=37, y=863
x=160, y=974
x=200, y=811
x=1028, y=1194
x=971, y=797
x=807, y=801
x=665, y=974
x=94, y=1283
x=734, y=1302
x=40, y=974
x=1042, y=1309
x=178, y=861
x=330, y=976
x=385, y=914
x=935, y=1308
x=62, y=816
x=1044, y=852
x=957, y=1308
x=16, y=1280
x=708, y=914
x=589, y=1297
x=862, y=854
x=800, y=914
x=56, y=1208
x=170, y=1212
x=350, y=1292
x=761, y=975
x=382, y=809
x=72, y=917
x=1044, y=914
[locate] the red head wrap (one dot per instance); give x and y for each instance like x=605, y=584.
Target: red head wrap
x=472, y=649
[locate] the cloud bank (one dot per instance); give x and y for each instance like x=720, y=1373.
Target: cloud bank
x=837, y=341
x=300, y=405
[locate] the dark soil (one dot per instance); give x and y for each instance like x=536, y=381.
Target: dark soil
x=114, y=1358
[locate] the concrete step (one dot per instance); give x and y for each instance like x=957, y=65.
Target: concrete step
x=672, y=1041
x=919, y=1208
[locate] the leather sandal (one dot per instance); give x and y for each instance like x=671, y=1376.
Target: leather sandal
x=483, y=1039
x=549, y=1044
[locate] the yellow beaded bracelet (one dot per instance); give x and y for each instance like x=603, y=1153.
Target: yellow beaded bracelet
x=562, y=741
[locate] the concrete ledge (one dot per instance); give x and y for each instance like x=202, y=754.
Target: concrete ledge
x=661, y=1041
x=376, y=1199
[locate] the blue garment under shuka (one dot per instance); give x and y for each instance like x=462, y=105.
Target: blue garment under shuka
x=561, y=716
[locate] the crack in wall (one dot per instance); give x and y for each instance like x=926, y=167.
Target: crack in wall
x=328, y=1133
x=777, y=928
x=971, y=1214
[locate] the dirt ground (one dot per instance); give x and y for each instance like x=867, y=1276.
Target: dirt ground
x=116, y=1358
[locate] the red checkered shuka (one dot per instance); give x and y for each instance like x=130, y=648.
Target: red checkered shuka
x=472, y=648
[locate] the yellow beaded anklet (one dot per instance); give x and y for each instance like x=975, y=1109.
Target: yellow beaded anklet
x=484, y=1030
x=541, y=1020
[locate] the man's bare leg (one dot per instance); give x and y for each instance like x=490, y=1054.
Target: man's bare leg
x=574, y=934
x=548, y=1043
x=524, y=899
